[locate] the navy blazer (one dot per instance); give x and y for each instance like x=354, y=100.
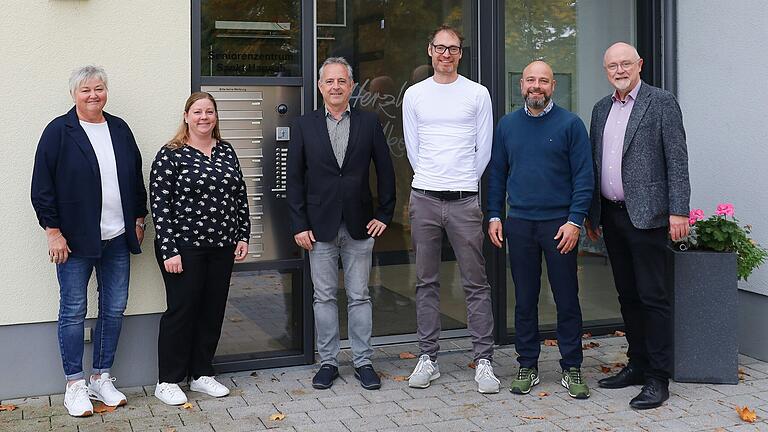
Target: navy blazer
x=654, y=164
x=321, y=194
x=66, y=183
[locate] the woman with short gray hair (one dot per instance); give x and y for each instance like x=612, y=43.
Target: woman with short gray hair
x=89, y=195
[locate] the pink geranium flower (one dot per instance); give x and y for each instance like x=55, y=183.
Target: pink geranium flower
x=725, y=209
x=695, y=215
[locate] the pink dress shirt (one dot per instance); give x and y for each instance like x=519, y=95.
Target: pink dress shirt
x=613, y=145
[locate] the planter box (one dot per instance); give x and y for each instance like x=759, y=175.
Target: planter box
x=705, y=317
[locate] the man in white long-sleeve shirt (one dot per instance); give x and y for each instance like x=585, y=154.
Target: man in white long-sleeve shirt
x=448, y=127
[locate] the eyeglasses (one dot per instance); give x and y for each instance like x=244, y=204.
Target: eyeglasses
x=452, y=50
x=626, y=64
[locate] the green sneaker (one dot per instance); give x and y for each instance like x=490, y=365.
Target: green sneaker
x=575, y=385
x=526, y=378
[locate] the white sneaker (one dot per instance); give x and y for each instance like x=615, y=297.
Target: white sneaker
x=76, y=400
x=209, y=386
x=103, y=390
x=486, y=380
x=424, y=373
x=170, y=393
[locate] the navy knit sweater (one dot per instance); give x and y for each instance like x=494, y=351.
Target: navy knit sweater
x=543, y=164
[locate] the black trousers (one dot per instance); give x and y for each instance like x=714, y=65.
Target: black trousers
x=191, y=325
x=638, y=261
x=526, y=240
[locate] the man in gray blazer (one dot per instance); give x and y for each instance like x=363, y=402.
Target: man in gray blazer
x=641, y=199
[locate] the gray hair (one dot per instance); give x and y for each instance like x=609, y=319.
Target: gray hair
x=85, y=73
x=336, y=60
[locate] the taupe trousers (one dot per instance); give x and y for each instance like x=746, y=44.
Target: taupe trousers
x=462, y=220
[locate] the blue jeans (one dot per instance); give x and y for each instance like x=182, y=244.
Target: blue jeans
x=526, y=241
x=112, y=272
x=356, y=261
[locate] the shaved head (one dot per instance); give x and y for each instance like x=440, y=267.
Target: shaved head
x=539, y=67
x=537, y=85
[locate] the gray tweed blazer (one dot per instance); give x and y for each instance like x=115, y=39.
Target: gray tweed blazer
x=654, y=166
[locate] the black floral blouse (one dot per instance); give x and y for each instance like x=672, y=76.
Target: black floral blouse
x=197, y=201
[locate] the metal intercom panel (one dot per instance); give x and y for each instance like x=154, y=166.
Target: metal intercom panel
x=256, y=120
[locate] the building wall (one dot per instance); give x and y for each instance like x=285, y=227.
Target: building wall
x=144, y=46
x=721, y=63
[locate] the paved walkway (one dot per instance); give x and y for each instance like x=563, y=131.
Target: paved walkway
x=450, y=404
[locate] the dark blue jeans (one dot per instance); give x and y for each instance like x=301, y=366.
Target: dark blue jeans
x=526, y=240
x=112, y=273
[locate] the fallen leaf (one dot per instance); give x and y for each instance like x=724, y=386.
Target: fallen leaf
x=605, y=369
x=298, y=392
x=382, y=374
x=254, y=374
x=187, y=405
x=619, y=333
x=170, y=429
x=277, y=417
x=746, y=414
x=719, y=430
x=7, y=407
x=586, y=335
x=550, y=342
x=100, y=408
x=532, y=417
x=543, y=394
x=400, y=378
x=471, y=365
x=590, y=345
x=235, y=319
x=407, y=355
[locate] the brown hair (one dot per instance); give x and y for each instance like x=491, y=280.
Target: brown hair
x=449, y=29
x=182, y=134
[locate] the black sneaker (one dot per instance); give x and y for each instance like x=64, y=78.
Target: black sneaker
x=324, y=377
x=368, y=377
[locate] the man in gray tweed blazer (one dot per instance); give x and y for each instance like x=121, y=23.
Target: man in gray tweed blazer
x=641, y=200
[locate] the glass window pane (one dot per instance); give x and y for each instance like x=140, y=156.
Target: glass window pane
x=263, y=316
x=246, y=38
x=571, y=36
x=388, y=53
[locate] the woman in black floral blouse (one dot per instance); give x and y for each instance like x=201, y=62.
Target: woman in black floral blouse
x=200, y=211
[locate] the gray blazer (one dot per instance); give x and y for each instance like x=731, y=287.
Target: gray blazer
x=654, y=166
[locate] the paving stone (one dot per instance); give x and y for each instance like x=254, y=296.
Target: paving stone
x=343, y=401
x=454, y=425
x=68, y=420
x=295, y=420
x=460, y=412
x=6, y=416
x=266, y=398
x=203, y=427
x=31, y=425
x=242, y=425
x=190, y=417
x=221, y=404
x=28, y=402
x=434, y=390
x=127, y=412
x=157, y=422
x=410, y=418
x=303, y=405
x=252, y=411
x=712, y=420
x=488, y=422
x=422, y=404
x=363, y=424
x=378, y=409
x=386, y=396
x=414, y=428
x=463, y=398
x=333, y=426
x=329, y=415
x=41, y=411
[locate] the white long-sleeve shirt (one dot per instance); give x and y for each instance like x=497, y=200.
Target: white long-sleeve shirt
x=448, y=132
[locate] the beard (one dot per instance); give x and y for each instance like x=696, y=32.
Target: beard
x=537, y=102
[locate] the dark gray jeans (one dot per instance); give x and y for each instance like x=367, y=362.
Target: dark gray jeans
x=463, y=222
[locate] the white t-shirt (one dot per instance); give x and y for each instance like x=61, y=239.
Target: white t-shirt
x=448, y=132
x=112, y=221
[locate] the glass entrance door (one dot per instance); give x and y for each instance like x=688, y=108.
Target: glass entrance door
x=386, y=44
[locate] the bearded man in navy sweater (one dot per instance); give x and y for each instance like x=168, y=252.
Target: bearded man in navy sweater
x=542, y=163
